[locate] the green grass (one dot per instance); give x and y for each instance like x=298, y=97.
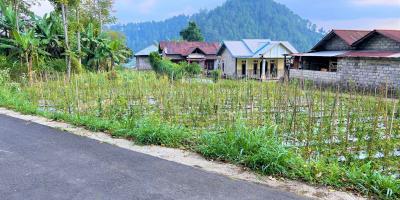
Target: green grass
x=243, y=122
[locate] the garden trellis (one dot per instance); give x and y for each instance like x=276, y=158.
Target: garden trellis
x=318, y=122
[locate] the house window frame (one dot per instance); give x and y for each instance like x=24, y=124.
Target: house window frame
x=244, y=67
x=255, y=66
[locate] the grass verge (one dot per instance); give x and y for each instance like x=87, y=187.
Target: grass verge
x=257, y=149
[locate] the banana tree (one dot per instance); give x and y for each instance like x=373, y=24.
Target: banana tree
x=117, y=52
x=26, y=45
x=8, y=19
x=50, y=33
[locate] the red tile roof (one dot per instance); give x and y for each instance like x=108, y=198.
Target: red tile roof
x=186, y=48
x=392, y=34
x=351, y=36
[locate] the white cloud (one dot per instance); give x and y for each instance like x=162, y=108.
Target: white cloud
x=42, y=8
x=145, y=7
x=377, y=2
x=363, y=23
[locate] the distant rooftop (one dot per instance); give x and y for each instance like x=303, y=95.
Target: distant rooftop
x=185, y=48
x=249, y=48
x=146, y=51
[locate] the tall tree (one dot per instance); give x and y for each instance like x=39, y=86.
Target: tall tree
x=192, y=33
x=64, y=11
x=78, y=33
x=63, y=5
x=98, y=13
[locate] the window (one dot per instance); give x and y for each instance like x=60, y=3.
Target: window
x=210, y=65
x=223, y=66
x=274, y=70
x=255, y=67
x=244, y=67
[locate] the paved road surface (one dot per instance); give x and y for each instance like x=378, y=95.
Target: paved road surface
x=38, y=162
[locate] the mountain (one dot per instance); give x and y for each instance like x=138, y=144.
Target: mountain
x=234, y=20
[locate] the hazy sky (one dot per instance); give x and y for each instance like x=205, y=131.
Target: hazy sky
x=339, y=14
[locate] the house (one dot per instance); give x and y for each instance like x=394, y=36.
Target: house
x=203, y=53
x=366, y=58
x=142, y=57
x=254, y=58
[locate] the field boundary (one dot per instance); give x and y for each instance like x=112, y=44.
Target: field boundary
x=192, y=159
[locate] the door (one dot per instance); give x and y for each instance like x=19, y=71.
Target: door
x=244, y=68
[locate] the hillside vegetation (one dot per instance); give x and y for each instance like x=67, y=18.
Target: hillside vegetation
x=235, y=19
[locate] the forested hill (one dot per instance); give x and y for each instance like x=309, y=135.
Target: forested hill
x=235, y=19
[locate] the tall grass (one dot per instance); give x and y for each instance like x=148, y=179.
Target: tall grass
x=299, y=130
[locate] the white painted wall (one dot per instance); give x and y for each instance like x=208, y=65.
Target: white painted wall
x=230, y=63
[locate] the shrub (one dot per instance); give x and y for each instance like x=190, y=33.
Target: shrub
x=191, y=69
x=257, y=149
x=166, y=67
x=172, y=70
x=4, y=76
x=216, y=75
x=59, y=65
x=152, y=130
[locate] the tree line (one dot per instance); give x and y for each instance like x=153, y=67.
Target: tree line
x=70, y=39
x=234, y=20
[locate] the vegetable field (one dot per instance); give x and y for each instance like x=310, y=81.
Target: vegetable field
x=328, y=136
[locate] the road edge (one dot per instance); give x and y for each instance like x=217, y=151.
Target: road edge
x=192, y=159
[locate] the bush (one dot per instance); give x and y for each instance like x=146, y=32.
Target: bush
x=59, y=65
x=257, y=149
x=216, y=75
x=4, y=76
x=172, y=70
x=191, y=69
x=152, y=130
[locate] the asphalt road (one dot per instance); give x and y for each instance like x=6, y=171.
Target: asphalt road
x=38, y=162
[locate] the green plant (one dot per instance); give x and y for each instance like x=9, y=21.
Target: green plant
x=216, y=75
x=324, y=136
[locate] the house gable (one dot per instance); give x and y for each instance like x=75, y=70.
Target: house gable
x=336, y=44
x=277, y=51
x=378, y=41
x=339, y=40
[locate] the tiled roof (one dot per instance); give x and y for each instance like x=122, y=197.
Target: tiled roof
x=185, y=48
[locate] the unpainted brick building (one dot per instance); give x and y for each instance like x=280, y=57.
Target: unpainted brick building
x=364, y=58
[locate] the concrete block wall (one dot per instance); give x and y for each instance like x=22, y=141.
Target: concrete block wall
x=363, y=72
x=370, y=72
x=336, y=44
x=380, y=42
x=317, y=76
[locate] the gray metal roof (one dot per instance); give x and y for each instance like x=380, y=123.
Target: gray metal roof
x=146, y=51
x=322, y=53
x=252, y=48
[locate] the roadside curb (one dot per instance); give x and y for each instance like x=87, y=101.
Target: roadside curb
x=192, y=159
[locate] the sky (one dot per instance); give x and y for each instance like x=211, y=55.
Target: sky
x=329, y=14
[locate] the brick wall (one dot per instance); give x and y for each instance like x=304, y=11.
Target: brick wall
x=370, y=72
x=380, y=42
